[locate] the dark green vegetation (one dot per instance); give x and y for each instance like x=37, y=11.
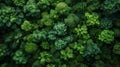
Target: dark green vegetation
x=59, y=33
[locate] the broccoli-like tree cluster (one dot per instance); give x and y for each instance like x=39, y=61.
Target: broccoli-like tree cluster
x=59, y=33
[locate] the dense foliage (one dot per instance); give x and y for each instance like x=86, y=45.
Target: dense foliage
x=59, y=33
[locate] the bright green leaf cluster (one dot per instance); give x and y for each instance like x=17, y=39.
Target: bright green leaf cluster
x=27, y=26
x=78, y=46
x=45, y=57
x=106, y=36
x=81, y=30
x=92, y=19
x=67, y=53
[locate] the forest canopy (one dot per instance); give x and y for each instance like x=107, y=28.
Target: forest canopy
x=59, y=33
